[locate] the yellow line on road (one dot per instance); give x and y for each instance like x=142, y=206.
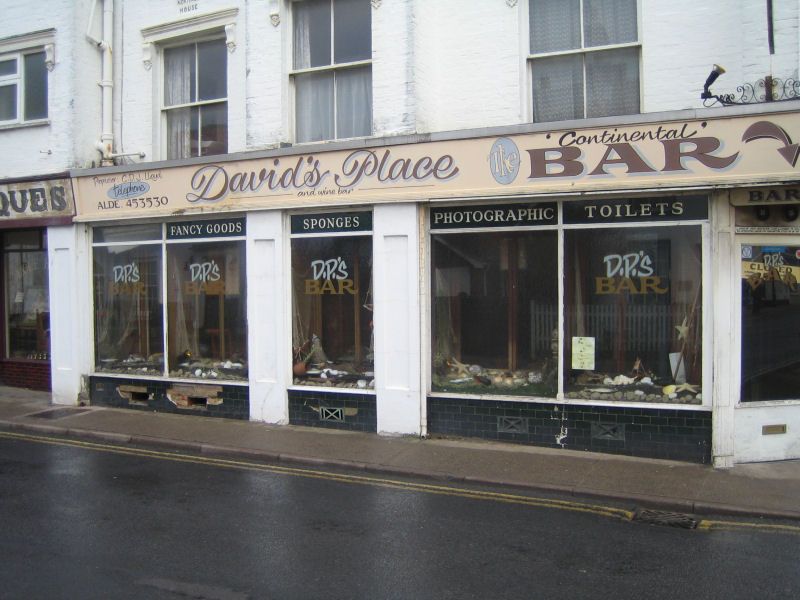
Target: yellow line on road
x=596, y=509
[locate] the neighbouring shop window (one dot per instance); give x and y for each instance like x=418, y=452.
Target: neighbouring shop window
x=495, y=312
x=633, y=314
x=332, y=323
x=584, y=58
x=27, y=300
x=332, y=69
x=23, y=87
x=206, y=310
x=770, y=322
x=195, y=99
x=199, y=315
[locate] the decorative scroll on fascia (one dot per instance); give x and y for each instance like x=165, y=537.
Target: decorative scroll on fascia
x=230, y=37
x=376, y=3
x=274, y=13
x=511, y=3
x=49, y=56
x=147, y=55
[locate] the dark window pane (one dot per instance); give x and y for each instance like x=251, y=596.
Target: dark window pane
x=495, y=307
x=214, y=129
x=332, y=311
x=554, y=25
x=312, y=33
x=182, y=132
x=612, y=82
x=558, y=88
x=352, y=30
x=8, y=102
x=127, y=233
x=314, y=106
x=633, y=307
x=212, y=62
x=353, y=102
x=35, y=87
x=8, y=67
x=128, y=317
x=27, y=298
x=207, y=311
x=27, y=239
x=609, y=22
x=179, y=75
x=770, y=322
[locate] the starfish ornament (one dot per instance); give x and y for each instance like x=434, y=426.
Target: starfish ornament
x=687, y=387
x=683, y=330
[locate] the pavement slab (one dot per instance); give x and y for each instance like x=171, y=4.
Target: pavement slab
x=764, y=489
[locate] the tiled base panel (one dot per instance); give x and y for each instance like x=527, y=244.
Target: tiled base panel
x=229, y=401
x=315, y=408
x=647, y=432
x=25, y=374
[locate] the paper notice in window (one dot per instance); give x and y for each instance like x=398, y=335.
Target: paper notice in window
x=583, y=353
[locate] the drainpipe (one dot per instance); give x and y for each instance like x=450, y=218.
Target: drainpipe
x=106, y=143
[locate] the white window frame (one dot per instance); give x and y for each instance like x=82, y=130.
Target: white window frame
x=163, y=109
x=334, y=67
x=201, y=28
x=16, y=48
x=583, y=50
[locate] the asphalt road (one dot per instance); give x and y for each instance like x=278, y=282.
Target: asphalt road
x=86, y=521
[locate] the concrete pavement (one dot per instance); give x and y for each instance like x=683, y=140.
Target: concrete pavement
x=755, y=490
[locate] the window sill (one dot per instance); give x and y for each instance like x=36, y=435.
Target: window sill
x=25, y=125
x=170, y=379
x=336, y=390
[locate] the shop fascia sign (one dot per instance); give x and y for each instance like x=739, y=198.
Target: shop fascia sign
x=740, y=150
x=36, y=200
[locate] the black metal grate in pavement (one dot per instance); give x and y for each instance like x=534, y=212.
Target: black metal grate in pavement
x=665, y=518
x=59, y=413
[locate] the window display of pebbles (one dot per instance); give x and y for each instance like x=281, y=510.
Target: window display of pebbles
x=338, y=378
x=205, y=368
x=132, y=365
x=621, y=388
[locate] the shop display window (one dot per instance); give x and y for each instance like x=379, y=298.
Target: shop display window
x=27, y=300
x=332, y=335
x=128, y=319
x=633, y=314
x=206, y=310
x=770, y=322
x=495, y=313
x=148, y=275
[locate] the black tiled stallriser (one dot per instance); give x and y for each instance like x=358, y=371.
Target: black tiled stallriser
x=304, y=409
x=649, y=432
x=103, y=392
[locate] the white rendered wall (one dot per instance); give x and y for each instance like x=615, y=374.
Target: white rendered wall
x=753, y=446
x=73, y=95
x=683, y=39
x=138, y=90
x=69, y=267
x=396, y=289
x=268, y=301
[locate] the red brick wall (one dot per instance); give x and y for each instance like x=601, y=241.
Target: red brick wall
x=34, y=375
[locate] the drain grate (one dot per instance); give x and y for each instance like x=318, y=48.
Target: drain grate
x=665, y=518
x=59, y=413
x=512, y=425
x=331, y=414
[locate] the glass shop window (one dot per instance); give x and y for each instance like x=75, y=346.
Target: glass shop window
x=128, y=317
x=770, y=323
x=206, y=310
x=495, y=313
x=27, y=299
x=633, y=317
x=332, y=335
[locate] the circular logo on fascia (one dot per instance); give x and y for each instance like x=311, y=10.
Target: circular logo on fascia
x=504, y=161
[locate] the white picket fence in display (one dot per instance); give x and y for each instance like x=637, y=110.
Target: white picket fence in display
x=647, y=328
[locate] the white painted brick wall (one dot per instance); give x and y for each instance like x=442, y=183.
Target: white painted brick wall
x=73, y=95
x=437, y=66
